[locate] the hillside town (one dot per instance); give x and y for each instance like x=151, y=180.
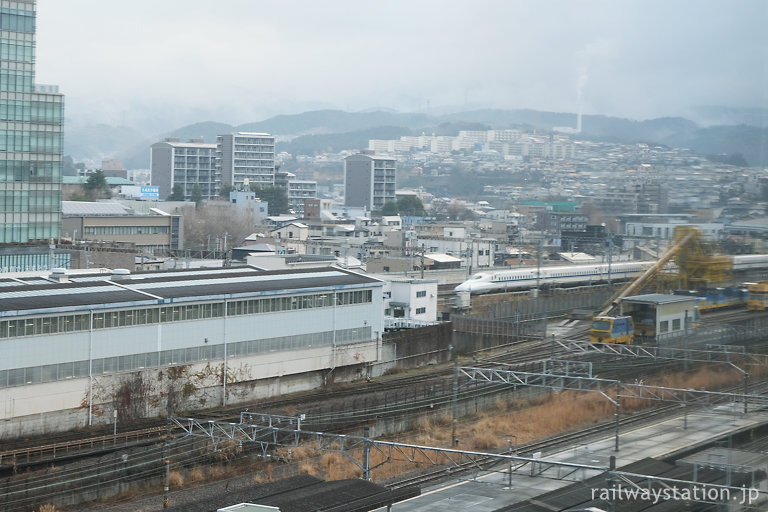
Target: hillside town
x=523, y=268
x=441, y=207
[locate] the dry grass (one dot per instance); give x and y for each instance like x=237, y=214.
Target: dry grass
x=175, y=480
x=709, y=378
x=301, y=453
x=394, y=371
x=307, y=468
x=47, y=508
x=336, y=466
x=568, y=410
x=228, y=450
x=196, y=474
x=508, y=422
x=215, y=472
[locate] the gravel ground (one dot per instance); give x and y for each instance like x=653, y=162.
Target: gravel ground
x=152, y=503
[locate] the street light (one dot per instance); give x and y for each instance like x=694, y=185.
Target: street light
x=509, y=439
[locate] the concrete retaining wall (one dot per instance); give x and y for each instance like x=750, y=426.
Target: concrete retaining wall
x=39, y=409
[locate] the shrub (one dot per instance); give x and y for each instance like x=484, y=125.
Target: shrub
x=175, y=479
x=196, y=474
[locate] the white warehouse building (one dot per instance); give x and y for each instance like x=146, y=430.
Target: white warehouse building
x=76, y=348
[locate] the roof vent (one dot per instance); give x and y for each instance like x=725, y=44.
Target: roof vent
x=121, y=274
x=59, y=275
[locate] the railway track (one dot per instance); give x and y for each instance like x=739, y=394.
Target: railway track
x=370, y=403
x=364, y=404
x=551, y=445
x=521, y=352
x=27, y=453
x=555, y=443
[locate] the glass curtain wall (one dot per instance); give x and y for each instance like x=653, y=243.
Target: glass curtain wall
x=31, y=138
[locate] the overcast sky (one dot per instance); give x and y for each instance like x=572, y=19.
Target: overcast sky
x=234, y=61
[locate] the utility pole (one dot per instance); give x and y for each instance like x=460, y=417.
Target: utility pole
x=422, y=261
x=468, y=240
x=454, y=401
x=367, y=454
x=166, y=484
x=535, y=291
x=610, y=257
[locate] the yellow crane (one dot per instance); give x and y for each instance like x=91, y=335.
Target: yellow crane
x=695, y=263
x=686, y=237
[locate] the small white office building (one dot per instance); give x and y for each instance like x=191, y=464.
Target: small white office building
x=409, y=303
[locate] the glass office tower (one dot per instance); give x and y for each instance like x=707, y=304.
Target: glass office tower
x=31, y=135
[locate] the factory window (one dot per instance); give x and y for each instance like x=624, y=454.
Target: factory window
x=421, y=293
x=254, y=306
x=142, y=316
x=66, y=323
x=130, y=362
x=676, y=324
x=420, y=311
x=664, y=326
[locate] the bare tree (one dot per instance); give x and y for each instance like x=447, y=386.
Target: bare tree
x=457, y=211
x=212, y=221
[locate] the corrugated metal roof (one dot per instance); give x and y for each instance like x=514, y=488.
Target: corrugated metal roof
x=91, y=208
x=100, y=291
x=58, y=295
x=305, y=493
x=442, y=258
x=659, y=298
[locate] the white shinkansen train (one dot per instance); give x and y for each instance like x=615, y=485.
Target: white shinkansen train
x=568, y=275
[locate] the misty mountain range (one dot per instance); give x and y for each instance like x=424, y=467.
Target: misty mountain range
x=742, y=131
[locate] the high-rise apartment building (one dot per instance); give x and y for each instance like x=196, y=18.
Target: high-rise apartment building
x=31, y=134
x=184, y=163
x=369, y=180
x=245, y=156
x=296, y=190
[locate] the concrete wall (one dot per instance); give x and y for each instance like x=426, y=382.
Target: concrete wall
x=416, y=347
x=57, y=406
x=161, y=163
x=358, y=181
x=45, y=349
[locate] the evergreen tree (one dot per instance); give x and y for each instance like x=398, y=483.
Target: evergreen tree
x=197, y=195
x=177, y=194
x=276, y=196
x=96, y=186
x=411, y=206
x=390, y=208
